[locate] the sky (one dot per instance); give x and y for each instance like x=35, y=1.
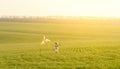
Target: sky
x=110, y=8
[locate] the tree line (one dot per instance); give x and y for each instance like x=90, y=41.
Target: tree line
x=57, y=19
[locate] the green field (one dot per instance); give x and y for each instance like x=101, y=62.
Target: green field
x=83, y=46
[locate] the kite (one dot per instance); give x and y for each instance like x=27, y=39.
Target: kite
x=44, y=41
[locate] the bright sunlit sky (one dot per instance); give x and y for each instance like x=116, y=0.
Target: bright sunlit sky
x=60, y=7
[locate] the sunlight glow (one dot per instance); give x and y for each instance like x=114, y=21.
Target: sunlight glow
x=60, y=7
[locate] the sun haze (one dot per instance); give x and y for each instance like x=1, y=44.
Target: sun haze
x=60, y=7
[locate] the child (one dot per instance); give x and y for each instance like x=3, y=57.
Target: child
x=56, y=47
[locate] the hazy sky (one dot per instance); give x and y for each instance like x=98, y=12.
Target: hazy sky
x=60, y=7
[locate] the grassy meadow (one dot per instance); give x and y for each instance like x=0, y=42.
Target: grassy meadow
x=82, y=46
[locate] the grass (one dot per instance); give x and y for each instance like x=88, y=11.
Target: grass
x=83, y=46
